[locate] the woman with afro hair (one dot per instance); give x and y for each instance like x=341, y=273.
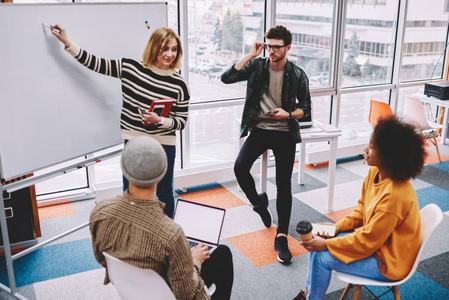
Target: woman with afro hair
x=380, y=238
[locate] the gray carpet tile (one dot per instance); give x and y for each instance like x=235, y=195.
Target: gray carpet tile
x=436, y=177
x=342, y=175
x=27, y=291
x=356, y=167
x=88, y=285
x=436, y=268
x=241, y=220
x=419, y=184
x=310, y=183
x=300, y=211
x=345, y=195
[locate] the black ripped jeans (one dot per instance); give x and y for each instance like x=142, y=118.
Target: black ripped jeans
x=284, y=148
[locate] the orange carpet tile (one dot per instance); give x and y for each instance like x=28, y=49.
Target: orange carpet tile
x=339, y=214
x=56, y=211
x=218, y=197
x=432, y=157
x=311, y=166
x=258, y=246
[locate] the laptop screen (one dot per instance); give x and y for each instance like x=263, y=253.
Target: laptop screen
x=199, y=222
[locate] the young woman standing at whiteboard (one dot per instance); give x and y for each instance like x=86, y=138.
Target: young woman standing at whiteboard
x=142, y=82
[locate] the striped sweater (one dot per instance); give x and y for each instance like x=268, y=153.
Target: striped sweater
x=140, y=86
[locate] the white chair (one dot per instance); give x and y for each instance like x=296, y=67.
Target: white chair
x=431, y=216
x=415, y=113
x=133, y=283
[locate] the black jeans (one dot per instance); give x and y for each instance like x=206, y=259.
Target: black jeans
x=283, y=147
x=219, y=269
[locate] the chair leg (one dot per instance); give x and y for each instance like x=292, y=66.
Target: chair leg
x=346, y=292
x=436, y=144
x=396, y=294
x=357, y=292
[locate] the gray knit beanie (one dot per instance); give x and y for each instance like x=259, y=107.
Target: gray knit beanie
x=144, y=161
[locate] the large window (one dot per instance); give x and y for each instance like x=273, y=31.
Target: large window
x=311, y=26
x=345, y=71
x=369, y=42
x=425, y=40
x=220, y=34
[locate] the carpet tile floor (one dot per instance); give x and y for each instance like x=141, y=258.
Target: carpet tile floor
x=66, y=269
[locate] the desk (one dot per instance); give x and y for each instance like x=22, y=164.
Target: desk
x=442, y=103
x=312, y=137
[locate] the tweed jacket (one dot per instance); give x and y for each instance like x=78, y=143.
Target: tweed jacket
x=137, y=232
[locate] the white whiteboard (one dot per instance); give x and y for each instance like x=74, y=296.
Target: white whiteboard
x=52, y=108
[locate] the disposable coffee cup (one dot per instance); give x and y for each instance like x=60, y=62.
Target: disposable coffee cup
x=304, y=229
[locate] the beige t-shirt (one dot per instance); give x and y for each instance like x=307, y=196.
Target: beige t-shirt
x=272, y=99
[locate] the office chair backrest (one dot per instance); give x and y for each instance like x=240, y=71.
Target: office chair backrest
x=431, y=216
x=133, y=283
x=377, y=111
x=415, y=113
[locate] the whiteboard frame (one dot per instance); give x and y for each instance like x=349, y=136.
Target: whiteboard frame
x=32, y=141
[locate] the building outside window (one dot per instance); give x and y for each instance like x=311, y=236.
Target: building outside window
x=220, y=32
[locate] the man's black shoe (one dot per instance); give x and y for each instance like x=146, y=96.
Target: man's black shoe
x=281, y=247
x=262, y=210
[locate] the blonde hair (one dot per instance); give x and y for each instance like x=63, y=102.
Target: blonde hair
x=158, y=39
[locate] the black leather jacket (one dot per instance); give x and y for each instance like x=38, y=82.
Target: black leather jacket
x=295, y=91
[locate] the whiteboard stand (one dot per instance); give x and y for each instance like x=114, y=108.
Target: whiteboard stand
x=24, y=183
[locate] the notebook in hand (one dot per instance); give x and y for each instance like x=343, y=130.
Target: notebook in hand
x=201, y=223
x=161, y=106
x=324, y=229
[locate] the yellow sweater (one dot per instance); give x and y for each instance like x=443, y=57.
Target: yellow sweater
x=388, y=214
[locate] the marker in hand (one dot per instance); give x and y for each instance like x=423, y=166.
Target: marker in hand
x=49, y=27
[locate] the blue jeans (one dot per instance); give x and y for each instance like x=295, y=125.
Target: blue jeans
x=284, y=148
x=164, y=190
x=322, y=263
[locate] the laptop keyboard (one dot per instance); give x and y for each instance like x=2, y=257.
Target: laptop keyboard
x=193, y=244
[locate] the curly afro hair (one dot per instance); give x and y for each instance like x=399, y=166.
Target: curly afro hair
x=400, y=148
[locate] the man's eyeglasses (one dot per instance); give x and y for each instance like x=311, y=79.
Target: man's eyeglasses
x=275, y=48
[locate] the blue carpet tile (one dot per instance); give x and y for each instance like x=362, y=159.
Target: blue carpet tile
x=52, y=262
x=433, y=194
x=199, y=188
x=442, y=166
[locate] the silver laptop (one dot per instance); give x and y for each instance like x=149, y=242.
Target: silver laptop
x=201, y=223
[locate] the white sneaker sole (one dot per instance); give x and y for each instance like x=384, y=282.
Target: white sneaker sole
x=283, y=261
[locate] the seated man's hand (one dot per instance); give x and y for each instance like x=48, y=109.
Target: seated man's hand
x=200, y=252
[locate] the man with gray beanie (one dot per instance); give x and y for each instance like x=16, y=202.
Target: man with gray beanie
x=133, y=228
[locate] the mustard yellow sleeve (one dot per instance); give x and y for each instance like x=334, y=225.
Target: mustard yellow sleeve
x=364, y=242
x=352, y=221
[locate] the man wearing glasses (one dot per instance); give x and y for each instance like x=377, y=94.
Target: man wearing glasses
x=277, y=95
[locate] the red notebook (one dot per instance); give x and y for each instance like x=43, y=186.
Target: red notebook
x=160, y=106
